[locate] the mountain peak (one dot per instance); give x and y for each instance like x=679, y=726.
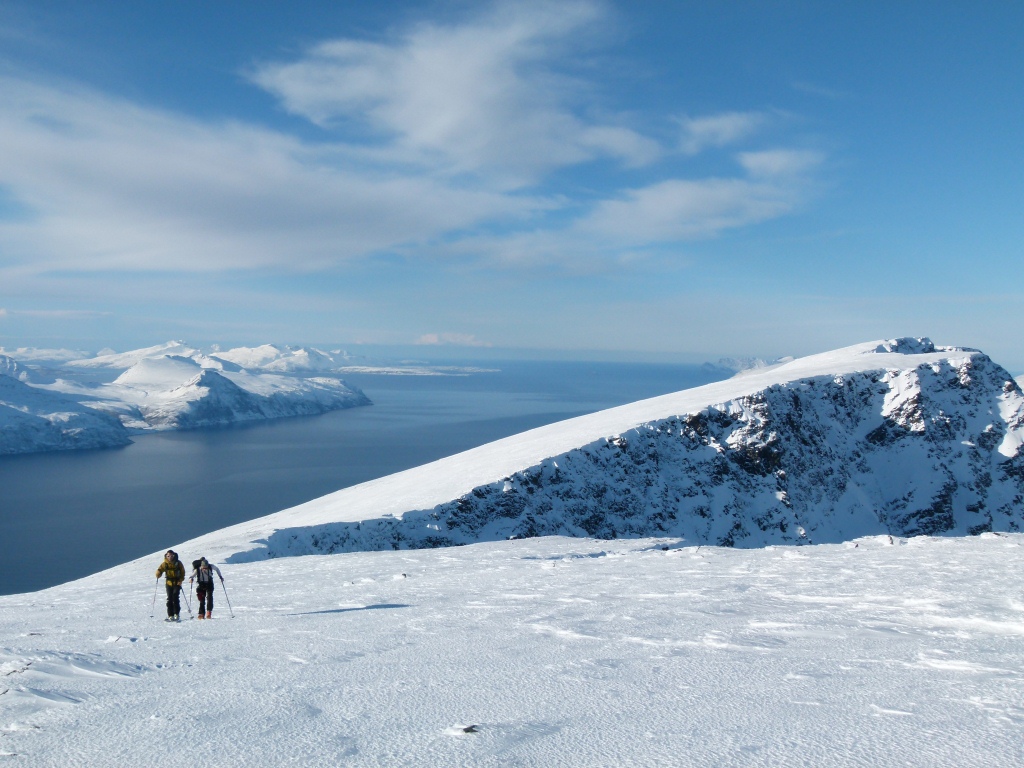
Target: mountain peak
x=907, y=345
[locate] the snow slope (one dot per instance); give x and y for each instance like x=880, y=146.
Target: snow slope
x=893, y=437
x=560, y=652
x=33, y=420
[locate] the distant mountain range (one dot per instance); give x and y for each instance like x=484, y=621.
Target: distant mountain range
x=58, y=404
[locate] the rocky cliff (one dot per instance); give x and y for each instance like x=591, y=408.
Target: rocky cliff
x=931, y=445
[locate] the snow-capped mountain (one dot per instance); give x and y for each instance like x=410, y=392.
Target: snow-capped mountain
x=272, y=358
x=175, y=392
x=169, y=386
x=127, y=359
x=34, y=420
x=34, y=354
x=10, y=367
x=897, y=437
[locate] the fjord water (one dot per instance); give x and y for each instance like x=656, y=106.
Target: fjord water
x=70, y=514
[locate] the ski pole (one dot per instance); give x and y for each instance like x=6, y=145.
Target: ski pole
x=226, y=596
x=152, y=608
x=187, y=603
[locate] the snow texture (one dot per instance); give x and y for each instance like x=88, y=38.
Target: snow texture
x=542, y=652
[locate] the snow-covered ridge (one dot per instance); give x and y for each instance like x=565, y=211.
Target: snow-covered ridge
x=34, y=354
x=863, y=440
x=128, y=359
x=270, y=357
x=169, y=386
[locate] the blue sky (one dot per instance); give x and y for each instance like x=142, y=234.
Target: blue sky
x=678, y=181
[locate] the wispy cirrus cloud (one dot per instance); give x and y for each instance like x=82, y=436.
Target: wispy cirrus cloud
x=718, y=130
x=487, y=96
x=620, y=229
x=60, y=314
x=682, y=209
x=776, y=163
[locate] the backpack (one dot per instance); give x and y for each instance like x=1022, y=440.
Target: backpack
x=201, y=576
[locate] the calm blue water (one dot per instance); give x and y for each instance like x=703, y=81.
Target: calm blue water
x=67, y=515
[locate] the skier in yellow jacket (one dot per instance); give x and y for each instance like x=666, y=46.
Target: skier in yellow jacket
x=174, y=574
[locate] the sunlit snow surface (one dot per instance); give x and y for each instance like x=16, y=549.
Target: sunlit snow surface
x=558, y=651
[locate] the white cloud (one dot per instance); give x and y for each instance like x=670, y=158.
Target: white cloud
x=59, y=314
x=619, y=230
x=451, y=339
x=712, y=131
x=780, y=162
x=680, y=209
x=482, y=97
x=116, y=186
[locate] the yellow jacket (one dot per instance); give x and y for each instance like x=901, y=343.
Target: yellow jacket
x=175, y=572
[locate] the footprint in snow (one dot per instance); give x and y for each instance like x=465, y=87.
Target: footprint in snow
x=459, y=730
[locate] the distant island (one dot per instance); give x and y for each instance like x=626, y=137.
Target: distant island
x=61, y=401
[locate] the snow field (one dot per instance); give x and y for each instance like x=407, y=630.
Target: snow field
x=560, y=651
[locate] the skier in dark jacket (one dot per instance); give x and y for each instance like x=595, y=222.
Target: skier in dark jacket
x=203, y=576
x=174, y=575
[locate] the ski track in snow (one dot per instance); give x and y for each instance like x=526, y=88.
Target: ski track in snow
x=541, y=652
